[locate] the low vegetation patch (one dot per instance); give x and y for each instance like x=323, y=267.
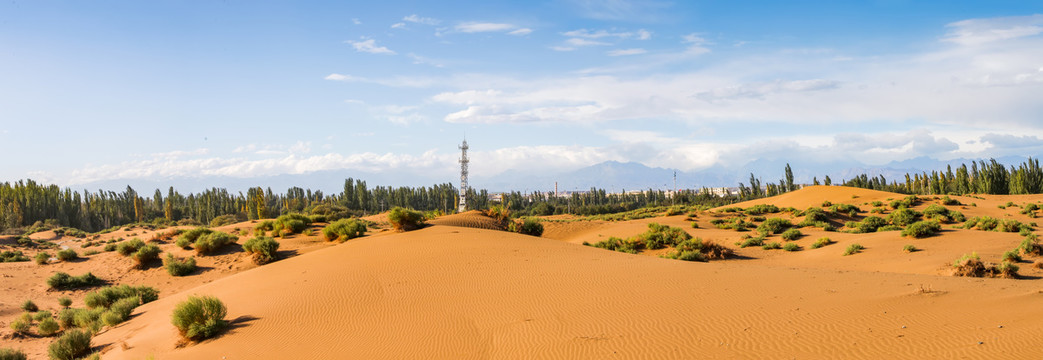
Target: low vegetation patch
x=773, y=226
x=145, y=255
x=403, y=219
x=199, y=318
x=264, y=249
x=67, y=255
x=613, y=243
x=73, y=344
x=528, y=226
x=190, y=236
x=910, y=248
x=179, y=267
x=853, y=249
x=752, y=241
x=772, y=246
x=971, y=266
x=823, y=241
x=921, y=229
x=791, y=247
x=791, y=234
x=213, y=241
x=903, y=217
x=105, y=297
x=12, y=256
x=12, y=354
x=344, y=229
x=126, y=248
x=63, y=281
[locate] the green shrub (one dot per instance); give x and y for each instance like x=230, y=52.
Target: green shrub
x=616, y=244
x=223, y=220
x=42, y=314
x=123, y=307
x=213, y=241
x=12, y=354
x=903, y=216
x=772, y=246
x=41, y=258
x=531, y=226
x=145, y=255
x=870, y=224
x=1011, y=226
x=791, y=234
x=761, y=209
x=105, y=297
x=791, y=247
x=183, y=243
x=191, y=236
x=853, y=249
x=946, y=200
x=179, y=267
x=660, y=236
x=199, y=317
x=12, y=256
x=47, y=327
x=405, y=220
x=63, y=281
x=71, y=345
x=110, y=247
x=910, y=248
x=263, y=248
x=695, y=225
x=30, y=306
x=773, y=226
x=21, y=326
x=64, y=302
x=110, y=318
x=984, y=223
x=686, y=255
x=1007, y=270
x=67, y=255
x=823, y=241
x=126, y=248
x=753, y=241
x=1012, y=256
x=344, y=229
x=922, y=229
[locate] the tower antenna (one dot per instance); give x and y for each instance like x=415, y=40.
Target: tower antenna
x=463, y=177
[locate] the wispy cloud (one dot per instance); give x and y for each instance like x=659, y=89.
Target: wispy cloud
x=598, y=34
x=480, y=27
x=370, y=46
x=520, y=32
x=397, y=81
x=585, y=42
x=417, y=19
x=976, y=32
x=625, y=52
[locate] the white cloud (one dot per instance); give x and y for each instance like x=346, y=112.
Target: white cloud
x=479, y=27
x=643, y=34
x=585, y=42
x=370, y=46
x=975, y=32
x=598, y=34
x=398, y=26
x=562, y=48
x=398, y=81
x=624, y=52
x=520, y=32
x=356, y=21
x=421, y=20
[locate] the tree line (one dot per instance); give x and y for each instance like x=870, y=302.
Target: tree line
x=981, y=177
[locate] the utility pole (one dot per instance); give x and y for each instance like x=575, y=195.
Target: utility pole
x=463, y=177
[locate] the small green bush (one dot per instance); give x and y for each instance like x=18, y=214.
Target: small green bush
x=922, y=229
x=910, y=248
x=199, y=317
x=223, y=220
x=67, y=255
x=12, y=354
x=853, y=249
x=183, y=243
x=179, y=267
x=791, y=234
x=753, y=241
x=126, y=248
x=145, y=255
x=63, y=281
x=41, y=258
x=42, y=314
x=213, y=241
x=791, y=247
x=772, y=246
x=984, y=223
x=64, y=302
x=12, y=256
x=109, y=247
x=21, y=326
x=30, y=306
x=263, y=248
x=190, y=236
x=105, y=297
x=71, y=345
x=531, y=226
x=1012, y=256
x=903, y=216
x=47, y=327
x=616, y=244
x=773, y=226
x=823, y=241
x=405, y=220
x=344, y=229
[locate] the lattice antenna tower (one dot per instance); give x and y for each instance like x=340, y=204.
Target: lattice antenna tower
x=463, y=177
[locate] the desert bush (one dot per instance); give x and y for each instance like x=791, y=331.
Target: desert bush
x=1030, y=246
x=772, y=246
x=223, y=220
x=773, y=226
x=1007, y=270
x=791, y=247
x=530, y=226
x=123, y=307
x=190, y=236
x=903, y=217
x=922, y=229
x=405, y=220
x=67, y=255
x=42, y=314
x=109, y=247
x=946, y=200
x=344, y=229
x=63, y=281
x=64, y=302
x=823, y=241
x=850, y=210
x=910, y=248
x=12, y=354
x=12, y=256
x=695, y=225
x=791, y=234
x=213, y=241
x=71, y=345
x=47, y=327
x=30, y=306
x=814, y=214
x=761, y=209
x=126, y=248
x=686, y=255
x=1012, y=256
x=199, y=317
x=1010, y=225
x=105, y=297
x=21, y=326
x=752, y=241
x=41, y=258
x=263, y=248
x=985, y=223
x=617, y=244
x=969, y=265
x=179, y=267
x=145, y=255
x=183, y=243
x=870, y=224
x=853, y=249
x=660, y=236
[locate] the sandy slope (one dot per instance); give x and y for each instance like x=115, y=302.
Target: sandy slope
x=447, y=292
x=471, y=219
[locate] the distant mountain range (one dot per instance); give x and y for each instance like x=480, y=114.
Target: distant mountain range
x=611, y=175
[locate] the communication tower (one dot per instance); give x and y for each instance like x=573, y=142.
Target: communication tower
x=463, y=177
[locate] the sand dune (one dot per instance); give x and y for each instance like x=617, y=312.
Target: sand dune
x=471, y=219
x=451, y=292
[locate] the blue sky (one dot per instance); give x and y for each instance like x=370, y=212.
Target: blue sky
x=105, y=90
